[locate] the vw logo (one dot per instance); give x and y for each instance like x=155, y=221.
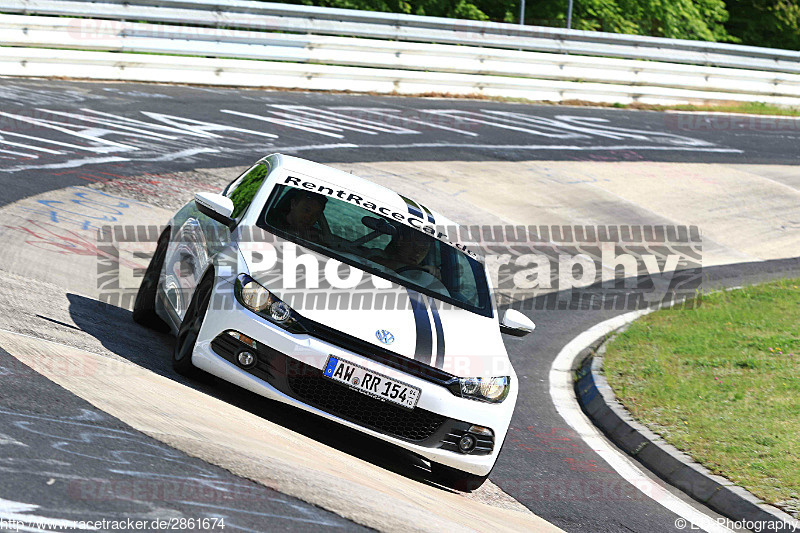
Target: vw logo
x=384, y=336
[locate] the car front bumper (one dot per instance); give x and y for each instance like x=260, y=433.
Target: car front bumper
x=289, y=369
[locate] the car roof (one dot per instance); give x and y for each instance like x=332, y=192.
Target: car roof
x=363, y=186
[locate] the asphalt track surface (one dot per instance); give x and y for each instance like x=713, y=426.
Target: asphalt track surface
x=76, y=463
x=52, y=131
x=47, y=431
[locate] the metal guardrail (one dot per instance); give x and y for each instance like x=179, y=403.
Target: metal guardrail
x=82, y=34
x=243, y=73
x=323, y=47
x=248, y=14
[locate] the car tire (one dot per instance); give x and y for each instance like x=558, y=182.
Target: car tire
x=456, y=479
x=144, y=308
x=190, y=328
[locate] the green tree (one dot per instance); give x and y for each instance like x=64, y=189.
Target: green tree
x=770, y=23
x=463, y=9
x=773, y=23
x=678, y=19
x=388, y=6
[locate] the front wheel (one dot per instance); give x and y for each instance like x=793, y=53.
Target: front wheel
x=190, y=329
x=144, y=308
x=456, y=479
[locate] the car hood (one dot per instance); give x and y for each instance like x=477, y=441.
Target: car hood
x=395, y=318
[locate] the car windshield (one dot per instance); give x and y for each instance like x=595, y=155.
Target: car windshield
x=377, y=244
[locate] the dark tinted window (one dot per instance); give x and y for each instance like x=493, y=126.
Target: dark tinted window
x=377, y=244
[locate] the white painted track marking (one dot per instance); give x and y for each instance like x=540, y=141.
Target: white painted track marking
x=16, y=516
x=395, y=114
x=563, y=395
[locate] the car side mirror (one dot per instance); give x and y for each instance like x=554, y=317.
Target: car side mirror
x=516, y=324
x=216, y=207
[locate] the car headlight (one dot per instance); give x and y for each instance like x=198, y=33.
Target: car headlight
x=492, y=390
x=253, y=295
x=259, y=300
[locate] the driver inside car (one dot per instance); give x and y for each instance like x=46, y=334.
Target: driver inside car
x=407, y=252
x=302, y=216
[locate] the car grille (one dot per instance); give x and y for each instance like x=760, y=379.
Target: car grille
x=309, y=385
x=381, y=355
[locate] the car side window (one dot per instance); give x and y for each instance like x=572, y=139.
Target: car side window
x=229, y=188
x=244, y=189
x=464, y=277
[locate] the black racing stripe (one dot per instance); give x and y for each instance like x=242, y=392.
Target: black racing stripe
x=437, y=321
x=424, y=348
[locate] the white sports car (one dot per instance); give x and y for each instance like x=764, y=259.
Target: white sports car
x=316, y=288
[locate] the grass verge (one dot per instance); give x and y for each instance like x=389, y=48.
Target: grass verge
x=749, y=108
x=722, y=383
x=742, y=108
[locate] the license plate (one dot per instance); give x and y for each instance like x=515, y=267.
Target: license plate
x=371, y=383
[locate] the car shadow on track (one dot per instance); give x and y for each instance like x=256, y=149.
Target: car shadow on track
x=115, y=329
